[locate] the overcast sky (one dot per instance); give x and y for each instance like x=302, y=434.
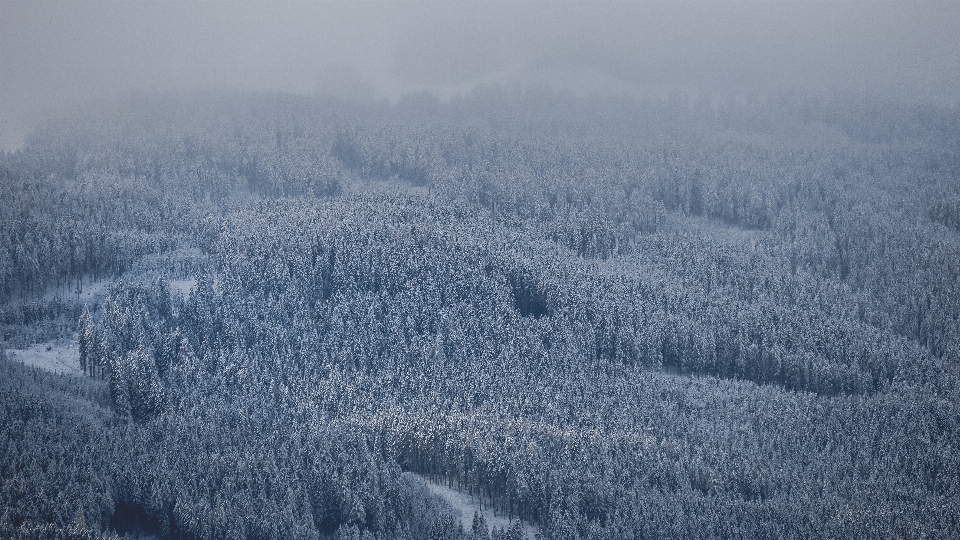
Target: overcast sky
x=54, y=53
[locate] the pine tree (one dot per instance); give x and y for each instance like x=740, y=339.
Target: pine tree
x=479, y=530
x=87, y=340
x=119, y=385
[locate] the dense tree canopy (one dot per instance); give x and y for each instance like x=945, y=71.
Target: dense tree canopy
x=608, y=318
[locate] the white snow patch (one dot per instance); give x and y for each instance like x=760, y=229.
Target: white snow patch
x=467, y=504
x=59, y=356
x=90, y=293
x=94, y=292
x=183, y=286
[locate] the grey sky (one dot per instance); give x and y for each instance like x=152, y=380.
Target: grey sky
x=55, y=53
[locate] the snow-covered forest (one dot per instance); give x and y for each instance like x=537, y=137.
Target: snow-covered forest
x=605, y=317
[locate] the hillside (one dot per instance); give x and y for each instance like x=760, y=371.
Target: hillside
x=609, y=318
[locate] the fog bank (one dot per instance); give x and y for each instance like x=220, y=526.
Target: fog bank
x=56, y=55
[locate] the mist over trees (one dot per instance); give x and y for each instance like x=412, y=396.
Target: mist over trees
x=607, y=317
x=606, y=270
x=60, y=56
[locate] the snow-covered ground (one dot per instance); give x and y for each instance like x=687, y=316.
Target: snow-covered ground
x=95, y=292
x=59, y=356
x=90, y=292
x=467, y=505
x=63, y=355
x=183, y=286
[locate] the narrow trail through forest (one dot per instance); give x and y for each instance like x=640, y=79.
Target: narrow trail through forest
x=466, y=505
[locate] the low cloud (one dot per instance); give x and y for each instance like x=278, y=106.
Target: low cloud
x=55, y=54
